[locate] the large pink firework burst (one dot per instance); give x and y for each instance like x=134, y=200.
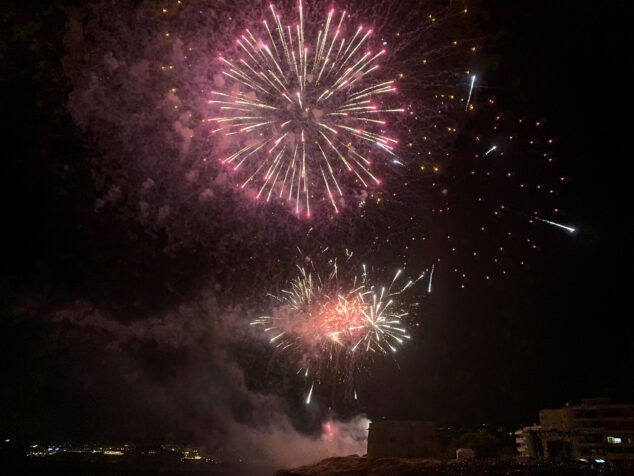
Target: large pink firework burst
x=307, y=116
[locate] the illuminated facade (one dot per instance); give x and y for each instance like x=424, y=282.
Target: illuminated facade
x=529, y=441
x=595, y=431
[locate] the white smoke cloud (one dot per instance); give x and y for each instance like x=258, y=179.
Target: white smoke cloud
x=261, y=432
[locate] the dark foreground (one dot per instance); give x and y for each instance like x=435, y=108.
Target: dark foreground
x=338, y=466
x=51, y=467
x=358, y=466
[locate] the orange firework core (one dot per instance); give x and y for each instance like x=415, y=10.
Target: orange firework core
x=344, y=315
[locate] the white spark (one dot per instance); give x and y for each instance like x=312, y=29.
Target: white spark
x=567, y=228
x=310, y=394
x=473, y=78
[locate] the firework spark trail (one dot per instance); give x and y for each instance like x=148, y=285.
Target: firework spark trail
x=559, y=225
x=287, y=95
x=490, y=150
x=329, y=317
x=473, y=78
x=310, y=394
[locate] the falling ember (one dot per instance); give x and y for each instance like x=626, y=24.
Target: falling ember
x=304, y=115
x=473, y=78
x=559, y=225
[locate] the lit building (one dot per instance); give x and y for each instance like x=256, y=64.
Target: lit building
x=596, y=430
x=529, y=443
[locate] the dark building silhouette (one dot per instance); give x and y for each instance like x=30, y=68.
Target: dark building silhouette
x=402, y=438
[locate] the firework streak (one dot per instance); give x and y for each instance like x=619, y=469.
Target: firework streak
x=304, y=113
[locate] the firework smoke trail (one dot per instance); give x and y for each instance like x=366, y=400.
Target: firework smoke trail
x=305, y=110
x=335, y=324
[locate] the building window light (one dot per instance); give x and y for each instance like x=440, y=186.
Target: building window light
x=615, y=440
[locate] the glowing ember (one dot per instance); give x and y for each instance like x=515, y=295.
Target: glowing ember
x=344, y=316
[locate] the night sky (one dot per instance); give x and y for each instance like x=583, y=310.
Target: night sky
x=115, y=327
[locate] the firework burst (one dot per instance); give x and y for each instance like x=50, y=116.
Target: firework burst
x=488, y=210
x=308, y=114
x=335, y=323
